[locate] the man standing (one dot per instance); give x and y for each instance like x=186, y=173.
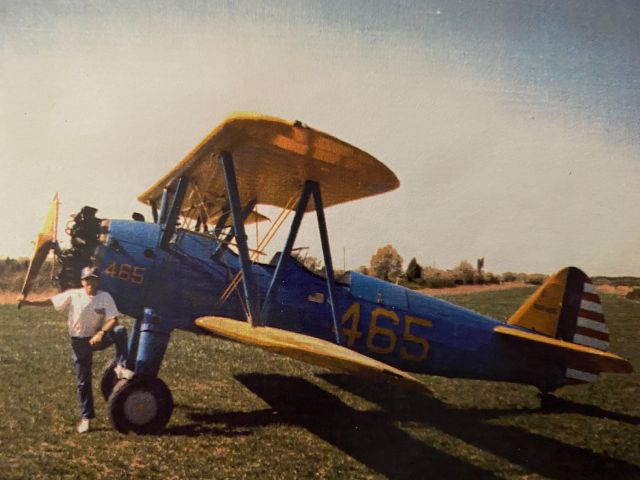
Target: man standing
x=93, y=325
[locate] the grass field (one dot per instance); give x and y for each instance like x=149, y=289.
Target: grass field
x=243, y=413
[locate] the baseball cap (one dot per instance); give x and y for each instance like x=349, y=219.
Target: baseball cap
x=89, y=272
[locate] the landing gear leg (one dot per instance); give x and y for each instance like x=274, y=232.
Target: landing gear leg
x=144, y=404
x=108, y=378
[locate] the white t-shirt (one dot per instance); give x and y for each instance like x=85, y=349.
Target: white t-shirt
x=86, y=314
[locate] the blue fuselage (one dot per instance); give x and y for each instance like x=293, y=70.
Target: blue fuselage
x=403, y=328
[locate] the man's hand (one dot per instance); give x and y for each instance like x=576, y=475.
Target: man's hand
x=20, y=300
x=97, y=338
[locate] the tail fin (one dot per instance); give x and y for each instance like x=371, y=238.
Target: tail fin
x=567, y=307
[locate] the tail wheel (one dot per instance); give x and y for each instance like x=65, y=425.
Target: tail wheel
x=108, y=380
x=549, y=402
x=142, y=405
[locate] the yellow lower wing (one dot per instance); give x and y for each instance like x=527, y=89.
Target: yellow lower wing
x=310, y=350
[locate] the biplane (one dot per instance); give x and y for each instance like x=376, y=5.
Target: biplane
x=191, y=268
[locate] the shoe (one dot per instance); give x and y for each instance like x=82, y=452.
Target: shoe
x=123, y=372
x=84, y=426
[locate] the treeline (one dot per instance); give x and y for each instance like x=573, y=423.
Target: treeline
x=616, y=281
x=13, y=271
x=387, y=264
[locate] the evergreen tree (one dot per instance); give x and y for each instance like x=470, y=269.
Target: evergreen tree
x=414, y=270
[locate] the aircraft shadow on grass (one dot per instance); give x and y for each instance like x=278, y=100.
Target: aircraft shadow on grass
x=374, y=438
x=543, y=455
x=561, y=405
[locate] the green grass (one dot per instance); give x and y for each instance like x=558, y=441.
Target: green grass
x=243, y=413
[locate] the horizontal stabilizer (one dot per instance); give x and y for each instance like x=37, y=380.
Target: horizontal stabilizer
x=310, y=350
x=577, y=356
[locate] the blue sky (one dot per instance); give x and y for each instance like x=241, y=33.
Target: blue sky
x=514, y=127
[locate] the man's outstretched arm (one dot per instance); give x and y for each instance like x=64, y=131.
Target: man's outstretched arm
x=33, y=303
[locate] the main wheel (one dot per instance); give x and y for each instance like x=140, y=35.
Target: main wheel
x=142, y=405
x=108, y=380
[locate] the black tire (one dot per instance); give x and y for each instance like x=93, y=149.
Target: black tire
x=142, y=405
x=108, y=380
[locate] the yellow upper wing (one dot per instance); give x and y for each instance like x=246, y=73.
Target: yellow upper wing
x=272, y=159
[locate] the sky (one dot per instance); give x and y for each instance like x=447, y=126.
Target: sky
x=513, y=126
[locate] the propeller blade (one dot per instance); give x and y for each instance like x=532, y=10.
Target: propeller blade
x=45, y=241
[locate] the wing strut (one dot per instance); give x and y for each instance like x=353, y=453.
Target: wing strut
x=261, y=245
x=326, y=252
x=310, y=188
x=241, y=237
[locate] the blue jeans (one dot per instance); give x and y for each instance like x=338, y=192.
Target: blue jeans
x=82, y=353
